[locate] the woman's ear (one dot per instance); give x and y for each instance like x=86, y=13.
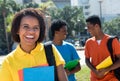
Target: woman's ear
x=17, y=32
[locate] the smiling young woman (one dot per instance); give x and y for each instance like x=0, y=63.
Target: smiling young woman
x=28, y=29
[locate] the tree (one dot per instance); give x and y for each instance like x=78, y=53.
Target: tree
x=46, y=6
x=6, y=7
x=31, y=4
x=112, y=27
x=72, y=15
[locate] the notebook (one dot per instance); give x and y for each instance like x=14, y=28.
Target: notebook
x=105, y=63
x=44, y=73
x=71, y=64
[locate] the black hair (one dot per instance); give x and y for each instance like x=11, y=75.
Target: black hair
x=94, y=19
x=28, y=12
x=56, y=25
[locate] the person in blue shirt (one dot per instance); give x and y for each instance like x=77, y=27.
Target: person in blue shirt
x=67, y=50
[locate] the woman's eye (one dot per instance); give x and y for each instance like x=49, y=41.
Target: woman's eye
x=25, y=27
x=36, y=28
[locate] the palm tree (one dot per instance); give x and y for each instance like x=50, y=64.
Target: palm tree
x=6, y=7
x=3, y=11
x=46, y=6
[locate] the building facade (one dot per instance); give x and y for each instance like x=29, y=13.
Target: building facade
x=106, y=9
x=58, y=3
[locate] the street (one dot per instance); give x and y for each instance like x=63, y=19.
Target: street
x=81, y=54
x=82, y=57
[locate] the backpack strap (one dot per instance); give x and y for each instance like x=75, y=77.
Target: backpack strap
x=50, y=58
x=109, y=46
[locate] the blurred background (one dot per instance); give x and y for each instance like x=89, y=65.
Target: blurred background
x=73, y=11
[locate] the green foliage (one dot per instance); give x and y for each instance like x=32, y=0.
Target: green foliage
x=72, y=15
x=112, y=27
x=6, y=7
x=2, y=35
x=31, y=4
x=46, y=6
x=9, y=19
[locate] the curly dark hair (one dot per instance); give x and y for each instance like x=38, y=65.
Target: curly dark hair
x=28, y=12
x=56, y=25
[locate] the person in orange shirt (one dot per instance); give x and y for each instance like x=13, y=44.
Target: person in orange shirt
x=28, y=29
x=96, y=51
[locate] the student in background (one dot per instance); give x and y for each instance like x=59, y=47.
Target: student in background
x=59, y=32
x=96, y=51
x=28, y=29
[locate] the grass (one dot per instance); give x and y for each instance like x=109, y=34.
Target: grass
x=83, y=74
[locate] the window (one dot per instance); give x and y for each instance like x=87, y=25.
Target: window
x=27, y=1
x=86, y=7
x=86, y=13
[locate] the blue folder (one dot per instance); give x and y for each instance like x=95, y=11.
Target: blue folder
x=45, y=73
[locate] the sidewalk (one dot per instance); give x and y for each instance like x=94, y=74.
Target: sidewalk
x=2, y=58
x=80, y=48
x=82, y=57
